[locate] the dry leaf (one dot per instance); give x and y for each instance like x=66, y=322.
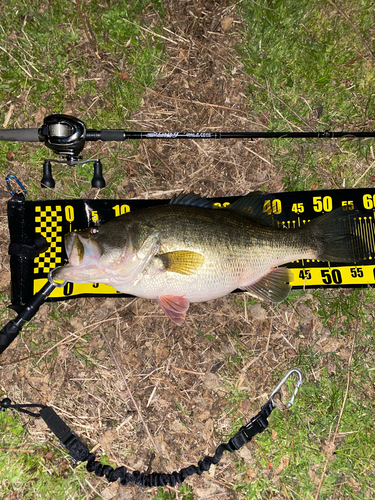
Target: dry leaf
x=315, y=479
x=10, y=155
x=245, y=453
x=356, y=486
x=39, y=115
x=203, y=416
x=108, y=493
x=178, y=426
x=345, y=353
x=71, y=84
x=251, y=475
x=329, y=448
x=205, y=492
x=212, y=382
x=183, y=55
x=4, y=279
x=107, y=438
x=331, y=345
x=226, y=23
x=208, y=429
x=284, y=462
x=257, y=312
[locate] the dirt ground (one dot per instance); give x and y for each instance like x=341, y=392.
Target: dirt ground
x=202, y=88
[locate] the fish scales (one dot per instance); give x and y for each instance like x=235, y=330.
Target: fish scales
x=236, y=252
x=180, y=253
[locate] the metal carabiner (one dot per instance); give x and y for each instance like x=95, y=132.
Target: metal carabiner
x=11, y=176
x=282, y=382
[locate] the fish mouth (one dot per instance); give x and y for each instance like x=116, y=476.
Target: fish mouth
x=81, y=249
x=74, y=249
x=83, y=254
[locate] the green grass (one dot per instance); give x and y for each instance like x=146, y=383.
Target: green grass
x=33, y=470
x=310, y=70
x=47, y=50
x=315, y=71
x=185, y=493
x=48, y=66
x=303, y=431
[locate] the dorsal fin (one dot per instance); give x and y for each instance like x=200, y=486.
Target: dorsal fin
x=191, y=199
x=254, y=205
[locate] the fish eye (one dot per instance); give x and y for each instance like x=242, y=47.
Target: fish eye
x=94, y=230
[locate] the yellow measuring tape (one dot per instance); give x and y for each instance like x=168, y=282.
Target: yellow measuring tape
x=53, y=219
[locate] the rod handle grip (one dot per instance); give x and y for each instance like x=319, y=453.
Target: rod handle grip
x=9, y=333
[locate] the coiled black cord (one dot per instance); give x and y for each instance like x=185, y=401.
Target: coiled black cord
x=80, y=453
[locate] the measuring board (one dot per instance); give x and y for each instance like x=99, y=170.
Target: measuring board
x=53, y=219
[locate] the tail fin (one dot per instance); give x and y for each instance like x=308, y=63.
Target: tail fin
x=338, y=236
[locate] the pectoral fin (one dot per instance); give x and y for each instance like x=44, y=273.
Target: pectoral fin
x=175, y=307
x=182, y=261
x=274, y=287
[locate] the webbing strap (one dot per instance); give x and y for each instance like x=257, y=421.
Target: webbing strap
x=80, y=453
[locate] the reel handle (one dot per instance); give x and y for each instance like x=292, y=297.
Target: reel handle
x=98, y=179
x=47, y=179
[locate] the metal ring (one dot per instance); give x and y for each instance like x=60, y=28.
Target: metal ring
x=52, y=281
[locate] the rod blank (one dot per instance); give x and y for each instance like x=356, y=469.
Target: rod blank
x=122, y=135
x=33, y=135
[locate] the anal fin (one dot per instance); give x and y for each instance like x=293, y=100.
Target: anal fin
x=273, y=287
x=175, y=307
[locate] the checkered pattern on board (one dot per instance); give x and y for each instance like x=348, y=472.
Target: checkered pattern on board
x=48, y=223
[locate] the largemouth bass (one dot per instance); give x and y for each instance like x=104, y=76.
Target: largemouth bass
x=190, y=251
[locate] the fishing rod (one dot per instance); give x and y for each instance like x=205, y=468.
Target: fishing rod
x=66, y=136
